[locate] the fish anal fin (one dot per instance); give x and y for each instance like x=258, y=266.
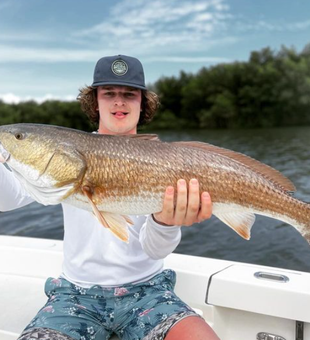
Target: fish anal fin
x=117, y=224
x=239, y=220
x=261, y=168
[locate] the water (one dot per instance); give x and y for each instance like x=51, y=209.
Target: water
x=273, y=243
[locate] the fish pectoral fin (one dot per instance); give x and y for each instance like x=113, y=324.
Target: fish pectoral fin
x=239, y=220
x=87, y=191
x=117, y=224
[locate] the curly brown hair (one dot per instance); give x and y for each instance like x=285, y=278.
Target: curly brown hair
x=88, y=100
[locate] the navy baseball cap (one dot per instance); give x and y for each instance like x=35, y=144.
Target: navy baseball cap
x=119, y=70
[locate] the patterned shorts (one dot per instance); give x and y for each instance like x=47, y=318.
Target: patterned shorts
x=146, y=310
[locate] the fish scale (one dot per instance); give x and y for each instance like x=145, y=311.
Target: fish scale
x=115, y=176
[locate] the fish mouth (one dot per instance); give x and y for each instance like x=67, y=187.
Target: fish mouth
x=4, y=154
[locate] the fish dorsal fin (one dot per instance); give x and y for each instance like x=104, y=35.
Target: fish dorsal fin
x=143, y=136
x=117, y=224
x=236, y=218
x=265, y=170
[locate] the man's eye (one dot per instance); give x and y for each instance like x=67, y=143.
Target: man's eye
x=108, y=94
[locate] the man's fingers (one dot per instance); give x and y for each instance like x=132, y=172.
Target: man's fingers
x=190, y=206
x=193, y=202
x=166, y=216
x=206, y=207
x=181, y=204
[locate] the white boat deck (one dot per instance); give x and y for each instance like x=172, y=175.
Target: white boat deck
x=235, y=302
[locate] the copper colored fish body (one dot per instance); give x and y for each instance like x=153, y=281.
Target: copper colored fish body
x=116, y=176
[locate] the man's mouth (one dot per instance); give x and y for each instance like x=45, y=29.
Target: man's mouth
x=119, y=114
x=4, y=155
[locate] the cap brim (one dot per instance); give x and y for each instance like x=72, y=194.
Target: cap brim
x=122, y=83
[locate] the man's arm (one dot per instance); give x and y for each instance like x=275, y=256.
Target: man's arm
x=158, y=240
x=161, y=233
x=12, y=194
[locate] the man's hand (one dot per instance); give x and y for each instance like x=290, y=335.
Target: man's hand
x=190, y=206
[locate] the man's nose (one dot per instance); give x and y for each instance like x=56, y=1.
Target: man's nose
x=119, y=100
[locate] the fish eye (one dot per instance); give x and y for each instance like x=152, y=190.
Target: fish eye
x=19, y=136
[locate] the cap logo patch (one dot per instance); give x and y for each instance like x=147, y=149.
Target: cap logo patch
x=119, y=67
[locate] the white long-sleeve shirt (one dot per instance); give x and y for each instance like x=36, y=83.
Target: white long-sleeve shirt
x=92, y=254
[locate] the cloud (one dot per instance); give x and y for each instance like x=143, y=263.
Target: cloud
x=142, y=27
x=188, y=59
x=11, y=98
x=147, y=26
x=44, y=55
x=27, y=37
x=149, y=29
x=13, y=54
x=299, y=26
x=148, y=13
x=262, y=25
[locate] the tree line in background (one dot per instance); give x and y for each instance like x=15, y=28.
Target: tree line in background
x=271, y=89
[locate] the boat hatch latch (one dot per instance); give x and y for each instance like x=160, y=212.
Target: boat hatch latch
x=268, y=336
x=272, y=277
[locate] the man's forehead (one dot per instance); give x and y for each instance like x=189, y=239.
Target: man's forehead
x=118, y=87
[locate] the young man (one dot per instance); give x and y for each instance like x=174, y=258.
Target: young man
x=107, y=285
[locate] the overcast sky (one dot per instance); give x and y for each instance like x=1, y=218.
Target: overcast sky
x=48, y=48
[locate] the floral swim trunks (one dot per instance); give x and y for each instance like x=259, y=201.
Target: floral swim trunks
x=141, y=311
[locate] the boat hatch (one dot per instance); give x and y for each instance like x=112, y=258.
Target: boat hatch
x=265, y=290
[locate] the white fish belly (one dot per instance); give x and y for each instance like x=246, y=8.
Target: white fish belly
x=133, y=205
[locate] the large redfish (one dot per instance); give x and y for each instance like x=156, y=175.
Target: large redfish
x=116, y=176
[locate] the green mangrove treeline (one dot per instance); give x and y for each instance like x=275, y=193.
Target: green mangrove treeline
x=270, y=89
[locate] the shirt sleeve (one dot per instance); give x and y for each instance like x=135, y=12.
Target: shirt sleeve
x=159, y=241
x=12, y=194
